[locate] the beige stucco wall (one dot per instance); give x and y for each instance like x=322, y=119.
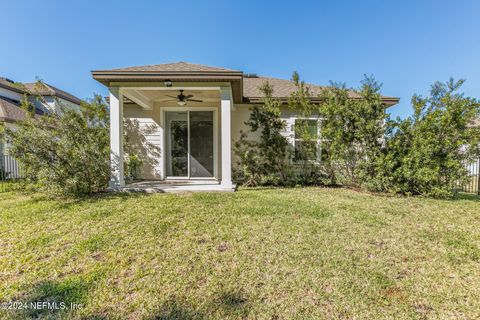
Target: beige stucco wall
x=241, y=114
x=147, y=136
x=144, y=132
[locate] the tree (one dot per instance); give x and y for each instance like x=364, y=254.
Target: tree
x=427, y=152
x=306, y=134
x=265, y=161
x=65, y=152
x=352, y=131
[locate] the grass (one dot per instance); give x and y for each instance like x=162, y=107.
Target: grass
x=266, y=254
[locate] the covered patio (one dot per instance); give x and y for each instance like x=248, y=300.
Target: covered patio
x=176, y=118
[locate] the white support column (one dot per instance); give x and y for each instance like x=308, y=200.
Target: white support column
x=226, y=131
x=116, y=139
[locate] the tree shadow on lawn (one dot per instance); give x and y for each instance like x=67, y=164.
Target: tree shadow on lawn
x=232, y=303
x=53, y=299
x=174, y=309
x=59, y=298
x=469, y=197
x=66, y=203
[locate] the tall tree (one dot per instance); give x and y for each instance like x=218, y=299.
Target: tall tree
x=352, y=131
x=65, y=152
x=268, y=158
x=427, y=152
x=305, y=131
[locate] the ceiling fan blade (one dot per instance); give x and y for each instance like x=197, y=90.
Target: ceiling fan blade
x=189, y=96
x=171, y=96
x=194, y=100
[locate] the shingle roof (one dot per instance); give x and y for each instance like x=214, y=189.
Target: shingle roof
x=37, y=88
x=10, y=110
x=284, y=88
x=175, y=67
x=281, y=88
x=244, y=87
x=46, y=89
x=4, y=83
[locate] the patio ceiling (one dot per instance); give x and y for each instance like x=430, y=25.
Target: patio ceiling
x=146, y=98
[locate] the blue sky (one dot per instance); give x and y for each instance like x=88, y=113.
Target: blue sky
x=407, y=45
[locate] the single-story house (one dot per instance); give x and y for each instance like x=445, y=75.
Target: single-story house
x=182, y=118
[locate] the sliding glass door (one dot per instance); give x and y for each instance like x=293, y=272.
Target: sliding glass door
x=189, y=144
x=201, y=143
x=177, y=143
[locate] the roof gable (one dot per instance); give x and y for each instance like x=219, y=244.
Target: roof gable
x=39, y=88
x=245, y=88
x=46, y=89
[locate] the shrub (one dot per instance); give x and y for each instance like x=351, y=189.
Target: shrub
x=361, y=147
x=265, y=161
x=307, y=171
x=132, y=165
x=352, y=132
x=65, y=152
x=425, y=153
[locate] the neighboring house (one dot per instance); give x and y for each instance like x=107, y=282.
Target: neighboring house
x=181, y=118
x=46, y=98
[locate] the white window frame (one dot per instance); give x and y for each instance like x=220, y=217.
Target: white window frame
x=319, y=139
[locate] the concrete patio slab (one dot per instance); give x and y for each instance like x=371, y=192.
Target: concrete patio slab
x=166, y=186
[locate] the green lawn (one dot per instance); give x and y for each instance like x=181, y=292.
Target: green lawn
x=260, y=254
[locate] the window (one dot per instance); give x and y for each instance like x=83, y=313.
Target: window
x=306, y=139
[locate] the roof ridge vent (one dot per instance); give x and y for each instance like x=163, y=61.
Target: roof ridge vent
x=250, y=75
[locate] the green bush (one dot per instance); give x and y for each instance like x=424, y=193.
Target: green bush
x=352, y=132
x=307, y=169
x=65, y=152
x=425, y=153
x=132, y=166
x=266, y=161
x=360, y=146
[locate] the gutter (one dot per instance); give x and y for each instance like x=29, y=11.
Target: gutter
x=389, y=101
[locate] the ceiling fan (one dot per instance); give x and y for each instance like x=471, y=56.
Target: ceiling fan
x=182, y=99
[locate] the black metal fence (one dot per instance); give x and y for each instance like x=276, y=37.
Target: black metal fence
x=11, y=173
x=473, y=183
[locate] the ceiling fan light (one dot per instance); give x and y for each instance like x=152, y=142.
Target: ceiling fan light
x=182, y=103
